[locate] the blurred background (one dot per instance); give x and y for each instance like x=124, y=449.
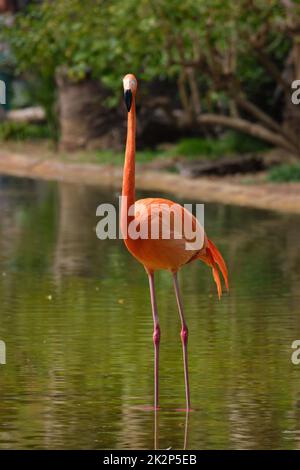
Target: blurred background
x=214, y=77
x=214, y=111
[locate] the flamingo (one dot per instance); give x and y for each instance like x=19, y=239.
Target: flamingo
x=158, y=253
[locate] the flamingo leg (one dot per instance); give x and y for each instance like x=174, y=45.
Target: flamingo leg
x=184, y=341
x=156, y=335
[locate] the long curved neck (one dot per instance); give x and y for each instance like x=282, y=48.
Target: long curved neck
x=128, y=188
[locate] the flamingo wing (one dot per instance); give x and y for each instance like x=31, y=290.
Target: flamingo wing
x=169, y=230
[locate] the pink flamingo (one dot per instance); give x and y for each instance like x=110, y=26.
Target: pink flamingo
x=160, y=253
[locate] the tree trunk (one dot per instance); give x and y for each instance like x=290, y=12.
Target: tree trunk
x=85, y=120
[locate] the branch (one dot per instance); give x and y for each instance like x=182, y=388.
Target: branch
x=248, y=127
x=256, y=112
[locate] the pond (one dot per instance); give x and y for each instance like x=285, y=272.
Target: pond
x=76, y=320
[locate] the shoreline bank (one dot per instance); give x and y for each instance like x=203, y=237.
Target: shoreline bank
x=282, y=197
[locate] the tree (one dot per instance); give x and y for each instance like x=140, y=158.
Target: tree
x=233, y=62
x=69, y=46
x=223, y=54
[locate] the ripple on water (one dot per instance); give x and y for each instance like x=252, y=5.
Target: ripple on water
x=76, y=318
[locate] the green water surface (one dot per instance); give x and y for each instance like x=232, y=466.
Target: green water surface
x=76, y=319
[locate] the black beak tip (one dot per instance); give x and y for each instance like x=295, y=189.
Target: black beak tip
x=128, y=99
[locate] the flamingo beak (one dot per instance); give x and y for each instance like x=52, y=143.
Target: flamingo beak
x=128, y=99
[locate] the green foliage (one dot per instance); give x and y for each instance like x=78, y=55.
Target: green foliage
x=285, y=173
x=243, y=143
x=194, y=147
x=22, y=131
x=83, y=37
x=149, y=38
x=155, y=40
x=229, y=143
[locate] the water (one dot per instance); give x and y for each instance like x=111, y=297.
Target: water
x=76, y=319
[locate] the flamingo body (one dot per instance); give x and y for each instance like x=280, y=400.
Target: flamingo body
x=139, y=219
x=164, y=253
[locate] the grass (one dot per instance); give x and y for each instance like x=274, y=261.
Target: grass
x=20, y=131
x=230, y=143
x=117, y=158
x=285, y=173
x=108, y=156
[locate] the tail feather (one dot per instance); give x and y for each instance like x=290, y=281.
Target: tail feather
x=217, y=279
x=213, y=258
x=218, y=258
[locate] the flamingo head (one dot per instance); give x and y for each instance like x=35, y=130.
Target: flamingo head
x=130, y=87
